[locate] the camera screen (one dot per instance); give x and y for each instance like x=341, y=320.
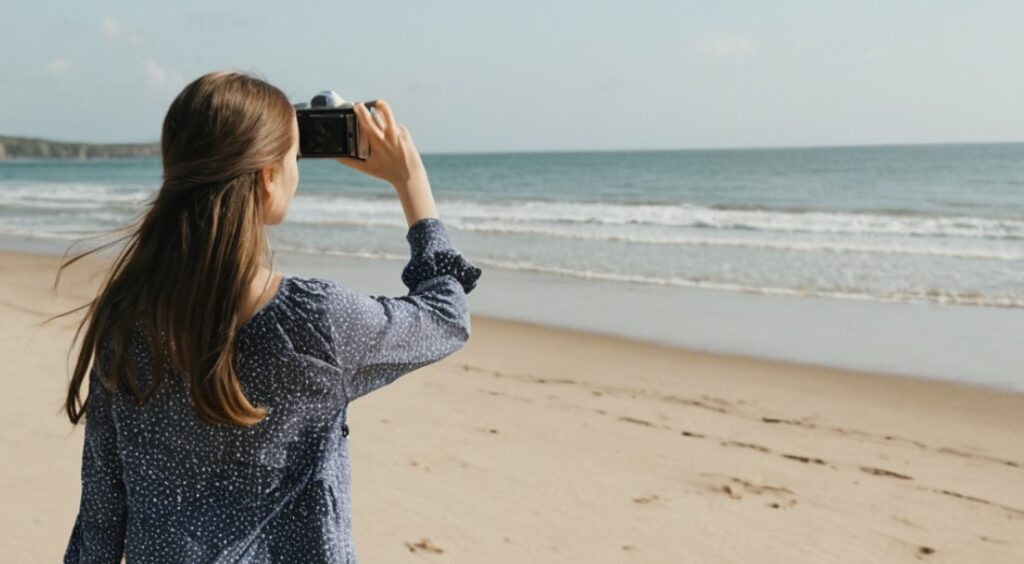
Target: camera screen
x=323, y=134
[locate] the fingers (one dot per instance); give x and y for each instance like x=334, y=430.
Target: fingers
x=389, y=119
x=367, y=123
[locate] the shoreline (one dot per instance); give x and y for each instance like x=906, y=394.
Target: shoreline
x=589, y=448
x=928, y=342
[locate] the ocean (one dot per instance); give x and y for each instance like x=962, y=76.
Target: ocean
x=937, y=225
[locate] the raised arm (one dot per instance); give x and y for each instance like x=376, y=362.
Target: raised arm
x=379, y=338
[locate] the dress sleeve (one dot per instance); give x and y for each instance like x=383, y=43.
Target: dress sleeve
x=382, y=338
x=99, y=530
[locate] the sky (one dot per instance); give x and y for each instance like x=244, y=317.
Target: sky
x=485, y=76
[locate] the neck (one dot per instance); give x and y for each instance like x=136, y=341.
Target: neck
x=261, y=290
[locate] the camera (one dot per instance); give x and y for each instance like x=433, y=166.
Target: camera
x=329, y=127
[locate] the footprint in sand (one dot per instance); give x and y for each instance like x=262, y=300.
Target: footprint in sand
x=714, y=399
x=1014, y=510
x=423, y=545
x=786, y=421
x=746, y=445
x=883, y=472
x=737, y=488
x=804, y=459
x=645, y=499
x=947, y=450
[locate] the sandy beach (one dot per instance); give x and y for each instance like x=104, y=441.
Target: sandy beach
x=562, y=446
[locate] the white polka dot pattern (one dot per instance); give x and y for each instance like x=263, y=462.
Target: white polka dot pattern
x=161, y=485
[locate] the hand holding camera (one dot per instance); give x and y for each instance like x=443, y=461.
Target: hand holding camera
x=393, y=156
x=373, y=144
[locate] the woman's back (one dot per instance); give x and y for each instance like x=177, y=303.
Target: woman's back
x=214, y=434
x=276, y=491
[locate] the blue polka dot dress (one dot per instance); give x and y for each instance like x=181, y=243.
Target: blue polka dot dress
x=161, y=485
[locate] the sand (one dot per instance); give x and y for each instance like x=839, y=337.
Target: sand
x=540, y=445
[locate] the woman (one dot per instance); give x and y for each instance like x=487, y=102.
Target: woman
x=218, y=390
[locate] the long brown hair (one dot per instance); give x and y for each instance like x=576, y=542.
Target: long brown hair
x=189, y=260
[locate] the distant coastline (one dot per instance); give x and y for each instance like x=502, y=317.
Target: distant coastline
x=12, y=148
x=29, y=148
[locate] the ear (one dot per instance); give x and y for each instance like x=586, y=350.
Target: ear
x=269, y=176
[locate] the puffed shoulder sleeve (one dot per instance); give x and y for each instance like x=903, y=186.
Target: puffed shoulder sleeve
x=380, y=338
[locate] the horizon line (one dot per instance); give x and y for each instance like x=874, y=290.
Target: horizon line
x=620, y=150
x=729, y=148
